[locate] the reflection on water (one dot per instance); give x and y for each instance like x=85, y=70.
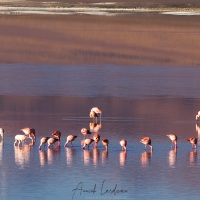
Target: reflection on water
x=193, y=157
x=43, y=157
x=52, y=153
x=96, y=156
x=70, y=154
x=104, y=156
x=22, y=155
x=145, y=158
x=122, y=158
x=172, y=158
x=95, y=127
x=1, y=151
x=87, y=155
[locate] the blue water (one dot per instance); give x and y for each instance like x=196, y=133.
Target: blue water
x=136, y=102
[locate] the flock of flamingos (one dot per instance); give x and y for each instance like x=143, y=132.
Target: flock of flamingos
x=94, y=114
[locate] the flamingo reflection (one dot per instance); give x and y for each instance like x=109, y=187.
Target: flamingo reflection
x=122, y=158
x=95, y=156
x=193, y=157
x=145, y=158
x=43, y=157
x=95, y=127
x=70, y=153
x=51, y=154
x=1, y=150
x=87, y=155
x=22, y=155
x=104, y=156
x=172, y=158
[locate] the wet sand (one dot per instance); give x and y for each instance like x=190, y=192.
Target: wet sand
x=124, y=39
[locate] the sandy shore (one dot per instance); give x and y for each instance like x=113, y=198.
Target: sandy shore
x=124, y=39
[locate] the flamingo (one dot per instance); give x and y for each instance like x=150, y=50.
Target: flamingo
x=123, y=144
x=87, y=142
x=51, y=141
x=198, y=115
x=70, y=138
x=30, y=132
x=94, y=113
x=146, y=141
x=85, y=132
x=1, y=132
x=43, y=141
x=193, y=141
x=96, y=138
x=57, y=135
x=173, y=138
x=105, y=143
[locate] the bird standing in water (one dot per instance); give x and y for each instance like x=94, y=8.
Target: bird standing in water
x=85, y=132
x=49, y=140
x=123, y=144
x=193, y=141
x=30, y=132
x=174, y=139
x=96, y=138
x=146, y=141
x=198, y=115
x=94, y=113
x=87, y=142
x=105, y=143
x=43, y=141
x=70, y=138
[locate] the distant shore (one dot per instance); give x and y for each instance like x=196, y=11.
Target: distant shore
x=98, y=9
x=106, y=33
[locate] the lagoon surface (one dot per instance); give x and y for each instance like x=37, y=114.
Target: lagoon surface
x=136, y=101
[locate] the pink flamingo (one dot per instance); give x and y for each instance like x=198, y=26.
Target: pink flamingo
x=123, y=144
x=70, y=138
x=146, y=141
x=174, y=139
x=193, y=141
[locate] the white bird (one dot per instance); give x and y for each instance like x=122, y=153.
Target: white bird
x=198, y=115
x=1, y=133
x=94, y=113
x=20, y=139
x=70, y=138
x=30, y=132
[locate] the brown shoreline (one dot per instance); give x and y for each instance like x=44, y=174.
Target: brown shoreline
x=136, y=39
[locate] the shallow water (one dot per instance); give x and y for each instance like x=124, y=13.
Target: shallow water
x=136, y=102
